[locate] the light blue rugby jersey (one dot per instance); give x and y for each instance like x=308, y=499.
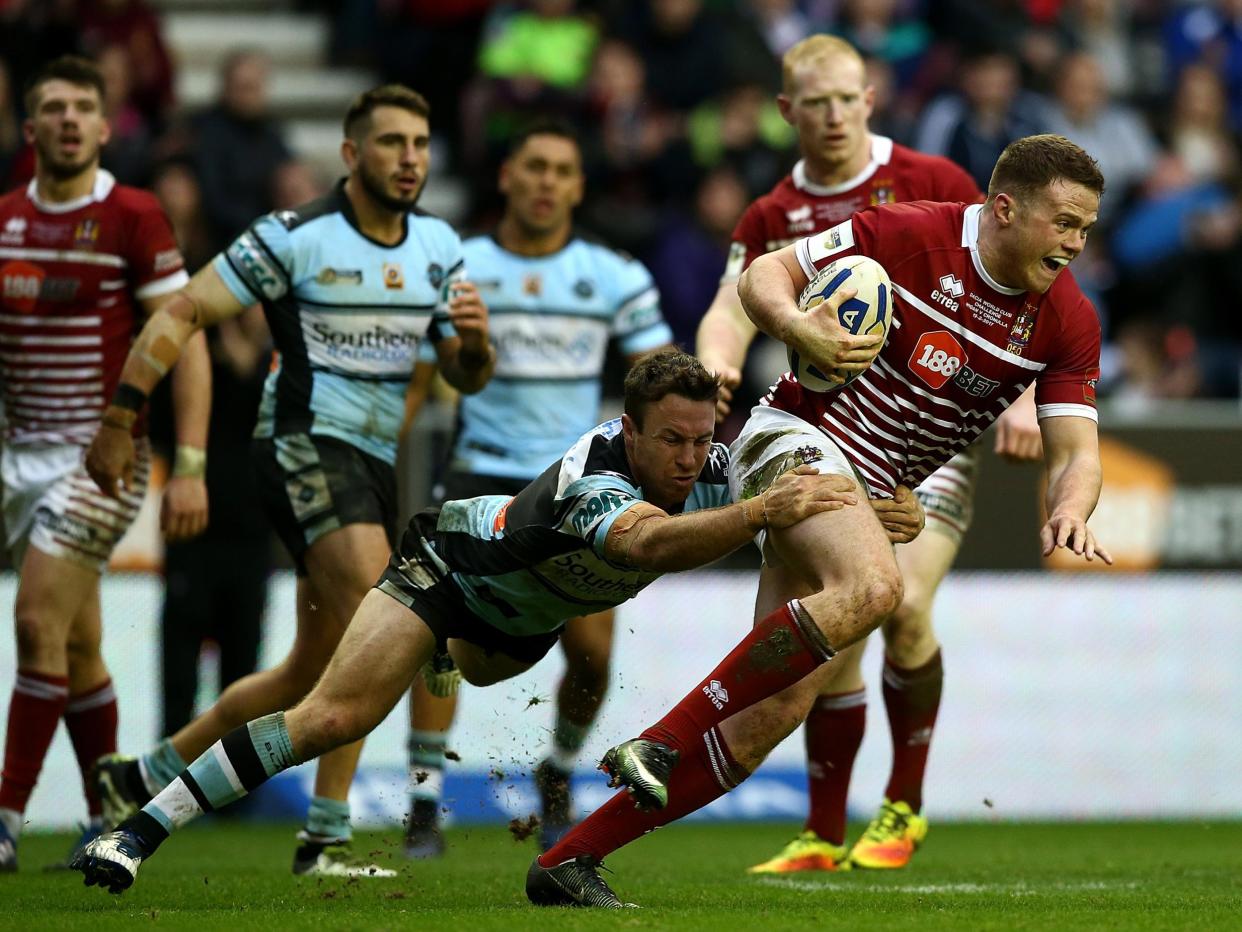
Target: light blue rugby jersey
x=528, y=564
x=347, y=315
x=550, y=318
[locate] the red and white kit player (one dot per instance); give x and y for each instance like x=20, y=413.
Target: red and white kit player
x=844, y=169
x=942, y=377
x=82, y=261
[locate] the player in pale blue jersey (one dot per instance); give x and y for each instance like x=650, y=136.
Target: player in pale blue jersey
x=556, y=301
x=351, y=286
x=492, y=580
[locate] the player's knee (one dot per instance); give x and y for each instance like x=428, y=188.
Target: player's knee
x=909, y=626
x=333, y=724
x=880, y=590
x=35, y=635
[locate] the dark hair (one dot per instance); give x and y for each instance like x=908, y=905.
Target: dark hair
x=666, y=372
x=386, y=95
x=547, y=126
x=1030, y=164
x=75, y=69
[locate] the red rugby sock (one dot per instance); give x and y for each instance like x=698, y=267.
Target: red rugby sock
x=91, y=718
x=912, y=698
x=834, y=732
x=779, y=651
x=705, y=772
x=34, y=711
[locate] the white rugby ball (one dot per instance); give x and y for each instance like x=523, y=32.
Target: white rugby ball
x=869, y=311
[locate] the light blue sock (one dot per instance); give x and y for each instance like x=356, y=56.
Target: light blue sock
x=329, y=818
x=161, y=766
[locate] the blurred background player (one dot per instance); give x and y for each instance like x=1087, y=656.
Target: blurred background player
x=82, y=259
x=555, y=300
x=845, y=168
x=350, y=284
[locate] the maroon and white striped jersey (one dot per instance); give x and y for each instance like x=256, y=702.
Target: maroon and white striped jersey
x=797, y=206
x=962, y=347
x=71, y=277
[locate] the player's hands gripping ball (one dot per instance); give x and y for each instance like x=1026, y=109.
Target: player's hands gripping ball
x=846, y=312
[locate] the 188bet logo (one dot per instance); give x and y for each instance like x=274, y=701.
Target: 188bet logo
x=937, y=357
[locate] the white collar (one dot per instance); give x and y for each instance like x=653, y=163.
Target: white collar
x=881, y=154
x=970, y=240
x=104, y=183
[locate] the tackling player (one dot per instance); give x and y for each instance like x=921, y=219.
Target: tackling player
x=939, y=381
x=556, y=300
x=844, y=169
x=493, y=579
x=351, y=284
x=82, y=259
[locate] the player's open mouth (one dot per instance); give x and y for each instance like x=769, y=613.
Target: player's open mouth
x=1054, y=264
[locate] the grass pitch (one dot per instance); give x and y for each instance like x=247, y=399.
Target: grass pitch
x=1175, y=875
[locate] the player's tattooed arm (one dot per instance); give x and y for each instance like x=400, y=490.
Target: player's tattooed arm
x=204, y=301
x=646, y=537
x=724, y=336
x=467, y=360
x=1072, y=455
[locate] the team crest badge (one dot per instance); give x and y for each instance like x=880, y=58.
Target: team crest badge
x=1023, y=328
x=86, y=234
x=392, y=276
x=584, y=289
x=435, y=275
x=882, y=193
x=532, y=285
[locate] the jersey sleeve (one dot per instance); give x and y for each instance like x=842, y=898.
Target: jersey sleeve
x=156, y=266
x=259, y=265
x=747, y=244
x=638, y=324
x=593, y=503
x=856, y=236
x=1066, y=388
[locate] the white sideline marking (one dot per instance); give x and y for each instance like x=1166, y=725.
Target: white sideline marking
x=923, y=889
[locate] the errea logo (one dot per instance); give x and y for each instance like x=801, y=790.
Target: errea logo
x=950, y=289
x=718, y=695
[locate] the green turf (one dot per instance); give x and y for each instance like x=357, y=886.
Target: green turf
x=998, y=876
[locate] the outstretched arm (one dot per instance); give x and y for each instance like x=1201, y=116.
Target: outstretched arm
x=204, y=301
x=1072, y=453
x=184, y=511
x=648, y=538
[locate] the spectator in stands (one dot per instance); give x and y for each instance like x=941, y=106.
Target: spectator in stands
x=1210, y=33
x=781, y=23
x=128, y=152
x=238, y=147
x=684, y=48
x=691, y=250
x=879, y=30
x=1199, y=133
x=974, y=126
x=11, y=142
x=1102, y=29
x=533, y=60
x=744, y=129
x=134, y=26
x=1116, y=136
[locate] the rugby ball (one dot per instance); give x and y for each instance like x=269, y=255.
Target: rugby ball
x=869, y=311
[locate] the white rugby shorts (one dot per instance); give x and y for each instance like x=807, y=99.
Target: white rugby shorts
x=51, y=502
x=948, y=494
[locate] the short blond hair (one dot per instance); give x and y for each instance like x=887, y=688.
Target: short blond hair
x=815, y=49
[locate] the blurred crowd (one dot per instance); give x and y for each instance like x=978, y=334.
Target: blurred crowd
x=675, y=103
